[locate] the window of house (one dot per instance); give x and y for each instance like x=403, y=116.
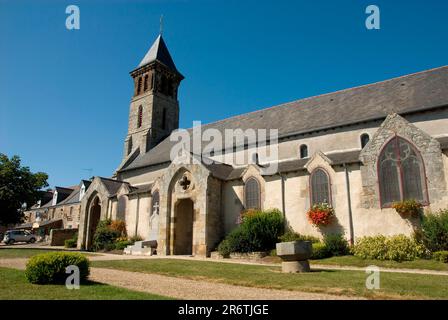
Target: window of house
x=155, y=203
x=401, y=173
x=303, y=151
x=364, y=140
x=320, y=187
x=140, y=116
x=252, y=194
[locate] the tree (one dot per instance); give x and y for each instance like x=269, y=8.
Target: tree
x=18, y=185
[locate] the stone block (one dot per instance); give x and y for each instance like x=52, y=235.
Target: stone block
x=295, y=266
x=294, y=251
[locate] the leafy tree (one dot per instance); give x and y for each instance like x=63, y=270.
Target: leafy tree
x=18, y=185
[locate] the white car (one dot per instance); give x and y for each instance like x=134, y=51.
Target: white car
x=13, y=236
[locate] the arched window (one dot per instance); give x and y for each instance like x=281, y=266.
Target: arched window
x=364, y=140
x=155, y=203
x=139, y=86
x=145, y=83
x=320, y=187
x=140, y=116
x=129, y=145
x=303, y=151
x=401, y=173
x=252, y=194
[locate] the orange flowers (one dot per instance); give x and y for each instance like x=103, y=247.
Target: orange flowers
x=320, y=214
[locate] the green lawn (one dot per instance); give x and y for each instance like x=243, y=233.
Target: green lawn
x=393, y=285
x=14, y=286
x=359, y=262
x=8, y=253
x=352, y=261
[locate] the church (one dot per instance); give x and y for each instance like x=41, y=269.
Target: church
x=359, y=150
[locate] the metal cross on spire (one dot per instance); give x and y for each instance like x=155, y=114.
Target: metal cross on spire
x=161, y=24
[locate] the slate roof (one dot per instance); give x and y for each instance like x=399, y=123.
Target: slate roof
x=111, y=185
x=158, y=52
x=404, y=95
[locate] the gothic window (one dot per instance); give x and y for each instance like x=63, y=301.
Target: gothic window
x=155, y=203
x=164, y=119
x=320, y=187
x=252, y=194
x=364, y=140
x=140, y=116
x=145, y=83
x=303, y=151
x=401, y=173
x=139, y=86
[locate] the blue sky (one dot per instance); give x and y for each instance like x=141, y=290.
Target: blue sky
x=64, y=95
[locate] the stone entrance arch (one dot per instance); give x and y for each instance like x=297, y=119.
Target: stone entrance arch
x=183, y=227
x=94, y=218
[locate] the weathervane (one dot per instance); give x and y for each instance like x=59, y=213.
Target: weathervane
x=161, y=24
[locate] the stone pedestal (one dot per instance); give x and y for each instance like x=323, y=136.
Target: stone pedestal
x=294, y=256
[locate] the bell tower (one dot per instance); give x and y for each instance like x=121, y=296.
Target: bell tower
x=154, y=109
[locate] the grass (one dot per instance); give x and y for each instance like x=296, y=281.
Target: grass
x=393, y=285
x=14, y=286
x=8, y=253
x=359, y=262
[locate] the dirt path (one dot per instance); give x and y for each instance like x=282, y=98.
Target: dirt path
x=184, y=288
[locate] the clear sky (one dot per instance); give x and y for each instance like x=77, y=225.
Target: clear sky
x=64, y=95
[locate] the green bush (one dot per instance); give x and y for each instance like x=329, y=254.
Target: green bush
x=121, y=245
x=397, y=248
x=441, y=256
x=320, y=251
x=70, y=243
x=259, y=231
x=336, y=244
x=104, y=237
x=290, y=235
x=434, y=231
x=50, y=267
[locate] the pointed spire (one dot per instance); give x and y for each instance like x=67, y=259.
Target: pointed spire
x=159, y=52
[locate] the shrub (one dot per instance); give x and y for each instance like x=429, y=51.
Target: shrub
x=50, y=267
x=121, y=245
x=336, y=244
x=397, y=248
x=434, y=231
x=290, y=235
x=408, y=208
x=441, y=256
x=70, y=243
x=321, y=214
x=136, y=238
x=320, y=251
x=104, y=237
x=258, y=231
x=119, y=226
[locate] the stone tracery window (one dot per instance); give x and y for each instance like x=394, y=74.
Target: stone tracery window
x=252, y=194
x=401, y=173
x=320, y=187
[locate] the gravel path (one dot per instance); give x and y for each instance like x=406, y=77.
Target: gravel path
x=184, y=288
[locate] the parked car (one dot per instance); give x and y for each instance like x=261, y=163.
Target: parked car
x=13, y=236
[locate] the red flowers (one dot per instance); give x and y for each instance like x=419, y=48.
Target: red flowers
x=320, y=214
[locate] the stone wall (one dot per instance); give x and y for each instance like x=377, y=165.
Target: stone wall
x=58, y=236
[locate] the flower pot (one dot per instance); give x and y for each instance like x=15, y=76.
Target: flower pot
x=294, y=256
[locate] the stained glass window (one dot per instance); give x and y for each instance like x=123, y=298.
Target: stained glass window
x=252, y=194
x=320, y=187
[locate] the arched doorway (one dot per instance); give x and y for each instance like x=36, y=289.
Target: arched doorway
x=94, y=218
x=183, y=229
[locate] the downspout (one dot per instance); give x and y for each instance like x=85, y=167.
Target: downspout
x=349, y=203
x=283, y=198
x=137, y=215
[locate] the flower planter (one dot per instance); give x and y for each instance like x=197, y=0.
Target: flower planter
x=294, y=256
